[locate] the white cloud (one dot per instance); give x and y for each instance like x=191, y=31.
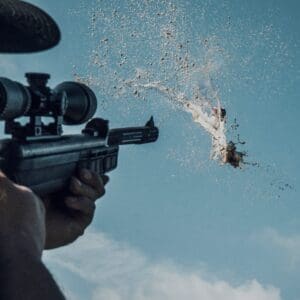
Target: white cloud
x=288, y=245
x=119, y=272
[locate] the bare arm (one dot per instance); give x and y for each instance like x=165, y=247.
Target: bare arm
x=24, y=276
x=22, y=239
x=26, y=229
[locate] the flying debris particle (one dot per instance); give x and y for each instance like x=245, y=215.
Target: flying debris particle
x=178, y=67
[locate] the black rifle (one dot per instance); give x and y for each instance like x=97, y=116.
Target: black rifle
x=38, y=155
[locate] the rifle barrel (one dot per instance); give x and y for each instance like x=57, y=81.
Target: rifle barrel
x=133, y=135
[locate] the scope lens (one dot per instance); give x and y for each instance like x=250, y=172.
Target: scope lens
x=15, y=99
x=81, y=102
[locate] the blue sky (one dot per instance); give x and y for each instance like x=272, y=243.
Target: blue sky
x=173, y=224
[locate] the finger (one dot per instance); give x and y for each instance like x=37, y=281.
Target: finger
x=105, y=179
x=81, y=204
x=93, y=179
x=79, y=188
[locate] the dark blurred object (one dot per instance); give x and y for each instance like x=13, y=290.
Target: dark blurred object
x=25, y=28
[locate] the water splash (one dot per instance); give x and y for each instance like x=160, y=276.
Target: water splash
x=193, y=59
x=200, y=107
x=197, y=56
x=173, y=62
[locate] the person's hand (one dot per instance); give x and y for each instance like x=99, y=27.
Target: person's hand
x=22, y=219
x=69, y=213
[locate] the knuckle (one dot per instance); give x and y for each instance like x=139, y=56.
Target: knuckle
x=105, y=179
x=101, y=193
x=76, y=229
x=85, y=174
x=87, y=205
x=99, y=185
x=75, y=185
x=95, y=179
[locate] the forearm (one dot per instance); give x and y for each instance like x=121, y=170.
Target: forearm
x=24, y=276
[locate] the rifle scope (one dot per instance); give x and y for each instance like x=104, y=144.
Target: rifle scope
x=75, y=102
